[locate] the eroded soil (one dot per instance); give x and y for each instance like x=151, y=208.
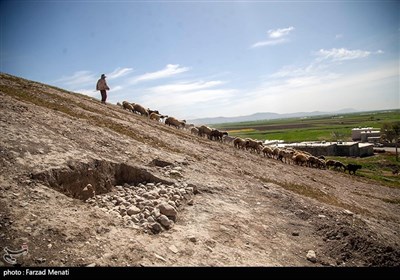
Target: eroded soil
x=248, y=210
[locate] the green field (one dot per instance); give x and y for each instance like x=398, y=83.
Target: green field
x=329, y=128
x=378, y=167
x=320, y=128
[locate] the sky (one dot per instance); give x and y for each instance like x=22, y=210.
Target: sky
x=195, y=59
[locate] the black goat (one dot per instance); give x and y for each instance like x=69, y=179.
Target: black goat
x=353, y=168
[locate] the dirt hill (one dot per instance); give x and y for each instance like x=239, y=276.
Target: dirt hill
x=165, y=197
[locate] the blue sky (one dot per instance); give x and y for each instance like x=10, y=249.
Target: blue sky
x=193, y=59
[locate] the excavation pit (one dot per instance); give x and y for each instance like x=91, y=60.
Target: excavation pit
x=131, y=194
x=99, y=175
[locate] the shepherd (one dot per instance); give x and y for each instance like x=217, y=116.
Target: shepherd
x=103, y=87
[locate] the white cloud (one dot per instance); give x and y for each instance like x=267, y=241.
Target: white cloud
x=82, y=79
x=293, y=71
x=119, y=72
x=185, y=86
x=78, y=79
x=168, y=71
x=308, y=87
x=186, y=98
x=322, y=63
x=371, y=89
x=278, y=33
x=341, y=54
x=192, y=103
x=276, y=37
x=117, y=88
x=269, y=43
x=188, y=93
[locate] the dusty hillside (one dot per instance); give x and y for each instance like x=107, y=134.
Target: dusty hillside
x=219, y=206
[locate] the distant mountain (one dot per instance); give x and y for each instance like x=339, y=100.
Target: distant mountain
x=346, y=111
x=267, y=116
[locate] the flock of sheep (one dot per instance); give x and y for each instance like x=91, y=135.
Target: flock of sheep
x=290, y=155
x=286, y=155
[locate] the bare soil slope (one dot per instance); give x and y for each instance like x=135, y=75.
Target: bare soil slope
x=229, y=207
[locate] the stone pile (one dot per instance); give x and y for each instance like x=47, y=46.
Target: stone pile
x=150, y=206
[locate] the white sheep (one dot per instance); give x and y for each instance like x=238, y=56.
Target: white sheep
x=157, y=117
x=127, y=106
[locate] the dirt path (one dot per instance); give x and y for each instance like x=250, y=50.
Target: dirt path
x=248, y=211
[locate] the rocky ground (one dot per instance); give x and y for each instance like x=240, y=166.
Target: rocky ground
x=87, y=184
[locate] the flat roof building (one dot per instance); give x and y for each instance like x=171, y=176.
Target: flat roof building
x=356, y=132
x=366, y=135
x=348, y=149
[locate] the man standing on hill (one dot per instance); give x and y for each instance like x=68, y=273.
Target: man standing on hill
x=103, y=87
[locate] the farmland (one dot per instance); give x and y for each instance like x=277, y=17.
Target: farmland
x=378, y=167
x=329, y=128
x=319, y=128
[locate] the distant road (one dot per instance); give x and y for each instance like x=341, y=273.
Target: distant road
x=388, y=149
